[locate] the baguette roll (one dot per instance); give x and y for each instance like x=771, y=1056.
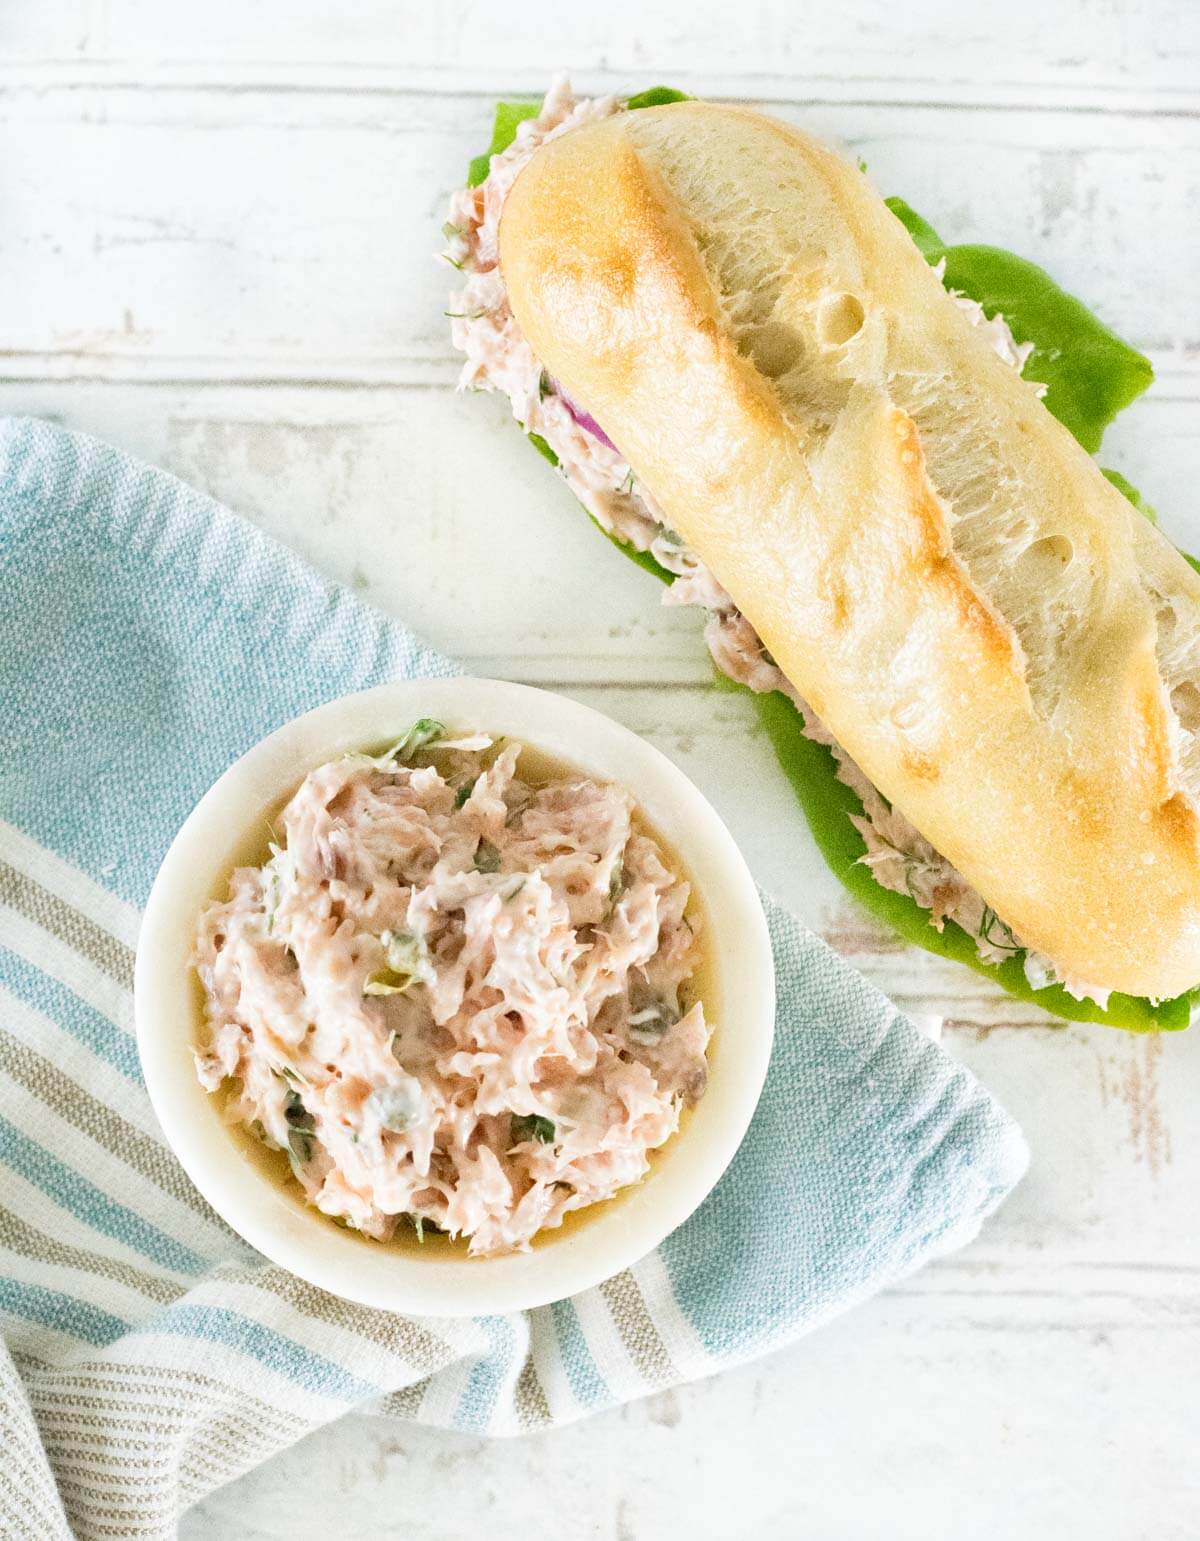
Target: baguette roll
x=1004, y=645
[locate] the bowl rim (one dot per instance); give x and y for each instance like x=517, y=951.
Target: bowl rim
x=298, y=1237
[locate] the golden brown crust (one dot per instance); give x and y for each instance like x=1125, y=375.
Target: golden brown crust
x=930, y=557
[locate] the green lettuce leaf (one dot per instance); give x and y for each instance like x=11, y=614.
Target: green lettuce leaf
x=828, y=805
x=504, y=131
x=1128, y=490
x=656, y=96
x=510, y=114
x=643, y=559
x=1091, y=375
x=925, y=238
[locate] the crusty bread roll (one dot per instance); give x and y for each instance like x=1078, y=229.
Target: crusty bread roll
x=1003, y=644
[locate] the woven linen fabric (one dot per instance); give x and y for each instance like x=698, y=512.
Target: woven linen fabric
x=147, y=638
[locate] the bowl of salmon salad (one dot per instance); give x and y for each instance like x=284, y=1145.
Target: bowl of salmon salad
x=454, y=996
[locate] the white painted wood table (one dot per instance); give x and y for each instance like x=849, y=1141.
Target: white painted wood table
x=215, y=232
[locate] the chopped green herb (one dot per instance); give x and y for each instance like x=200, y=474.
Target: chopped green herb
x=543, y=385
x=627, y=485
x=453, y=232
x=990, y=923
x=464, y=315
x=542, y=447
x=421, y=1224
x=296, y=1113
x=423, y=732
x=453, y=261
x=387, y=981
x=532, y=1126
x=301, y=1128
x=463, y=793
x=393, y=1106
x=616, y=882
x=272, y=899
x=487, y=857
x=407, y=964
x=406, y=952
x=909, y=867
x=648, y=1025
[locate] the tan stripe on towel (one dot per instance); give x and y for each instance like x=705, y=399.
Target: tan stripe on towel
x=529, y=1398
x=405, y=1403
x=48, y=1084
x=18, y=1236
x=623, y=1296
x=400, y=1335
x=51, y=1384
x=29, y=1505
x=31, y=1510
x=88, y=939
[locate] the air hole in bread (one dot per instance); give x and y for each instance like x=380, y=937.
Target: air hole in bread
x=1051, y=548
x=1185, y=703
x=1044, y=562
x=1038, y=582
x=1165, y=618
x=775, y=348
x=907, y=715
x=839, y=318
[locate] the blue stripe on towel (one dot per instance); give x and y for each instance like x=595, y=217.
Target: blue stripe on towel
x=53, y=1308
x=478, y=1399
x=589, y=1386
x=89, y=1204
x=53, y=999
x=230, y=1329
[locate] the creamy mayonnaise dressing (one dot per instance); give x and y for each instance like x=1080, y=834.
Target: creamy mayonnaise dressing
x=453, y=996
x=499, y=358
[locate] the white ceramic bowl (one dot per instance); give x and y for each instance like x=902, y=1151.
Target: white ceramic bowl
x=270, y=1214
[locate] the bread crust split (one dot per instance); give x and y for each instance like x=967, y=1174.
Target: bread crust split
x=981, y=620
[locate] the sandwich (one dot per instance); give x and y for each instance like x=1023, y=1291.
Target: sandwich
x=868, y=456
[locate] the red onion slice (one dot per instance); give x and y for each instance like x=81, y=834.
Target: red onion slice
x=585, y=420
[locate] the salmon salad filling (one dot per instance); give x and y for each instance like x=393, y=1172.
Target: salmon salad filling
x=457, y=1000
x=499, y=358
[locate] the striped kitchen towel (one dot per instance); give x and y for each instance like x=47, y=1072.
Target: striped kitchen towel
x=147, y=638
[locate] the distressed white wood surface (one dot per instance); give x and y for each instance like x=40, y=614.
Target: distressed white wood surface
x=215, y=236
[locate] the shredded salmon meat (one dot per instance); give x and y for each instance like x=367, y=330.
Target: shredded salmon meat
x=457, y=1000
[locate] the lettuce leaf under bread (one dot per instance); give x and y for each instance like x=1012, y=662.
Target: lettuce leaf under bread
x=509, y=115
x=1091, y=374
